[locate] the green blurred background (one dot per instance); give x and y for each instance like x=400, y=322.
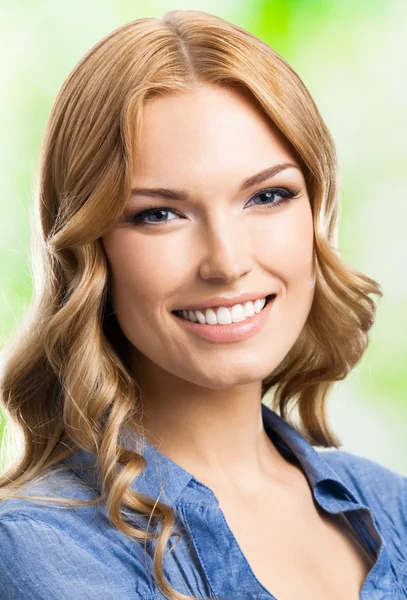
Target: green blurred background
x=351, y=56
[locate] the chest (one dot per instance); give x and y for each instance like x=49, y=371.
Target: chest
x=296, y=549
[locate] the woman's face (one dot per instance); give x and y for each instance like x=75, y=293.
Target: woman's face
x=218, y=240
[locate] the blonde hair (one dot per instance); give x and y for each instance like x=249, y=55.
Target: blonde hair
x=66, y=383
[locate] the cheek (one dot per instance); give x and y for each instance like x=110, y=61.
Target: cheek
x=287, y=247
x=285, y=244
x=142, y=273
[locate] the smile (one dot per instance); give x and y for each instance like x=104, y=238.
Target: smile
x=225, y=315
x=243, y=328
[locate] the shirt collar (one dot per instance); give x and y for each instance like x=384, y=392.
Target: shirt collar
x=317, y=470
x=165, y=480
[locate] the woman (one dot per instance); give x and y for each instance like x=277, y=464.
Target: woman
x=187, y=265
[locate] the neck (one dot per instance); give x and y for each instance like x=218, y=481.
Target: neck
x=216, y=435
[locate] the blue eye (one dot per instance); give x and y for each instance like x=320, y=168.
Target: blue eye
x=159, y=212
x=284, y=194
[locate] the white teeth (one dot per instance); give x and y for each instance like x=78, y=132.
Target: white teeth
x=258, y=305
x=210, y=317
x=249, y=308
x=224, y=315
x=200, y=316
x=238, y=313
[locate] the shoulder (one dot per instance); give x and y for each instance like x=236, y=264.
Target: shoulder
x=48, y=551
x=363, y=474
x=381, y=489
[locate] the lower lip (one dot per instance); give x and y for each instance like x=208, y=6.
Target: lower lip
x=233, y=332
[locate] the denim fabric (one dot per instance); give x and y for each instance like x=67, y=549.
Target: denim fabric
x=49, y=553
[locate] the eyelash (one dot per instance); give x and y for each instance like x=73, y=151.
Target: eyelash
x=286, y=195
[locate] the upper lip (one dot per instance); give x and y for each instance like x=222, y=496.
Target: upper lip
x=227, y=300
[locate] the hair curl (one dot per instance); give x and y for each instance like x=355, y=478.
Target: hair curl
x=66, y=382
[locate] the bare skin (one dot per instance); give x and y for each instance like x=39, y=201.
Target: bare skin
x=201, y=400
x=294, y=547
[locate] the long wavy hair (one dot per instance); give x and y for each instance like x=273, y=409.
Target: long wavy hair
x=66, y=382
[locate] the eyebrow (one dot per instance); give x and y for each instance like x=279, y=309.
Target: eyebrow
x=183, y=194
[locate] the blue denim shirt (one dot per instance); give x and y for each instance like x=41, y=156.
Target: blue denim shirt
x=49, y=553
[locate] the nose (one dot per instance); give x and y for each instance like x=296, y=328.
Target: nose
x=227, y=251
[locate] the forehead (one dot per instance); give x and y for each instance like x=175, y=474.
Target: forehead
x=207, y=132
